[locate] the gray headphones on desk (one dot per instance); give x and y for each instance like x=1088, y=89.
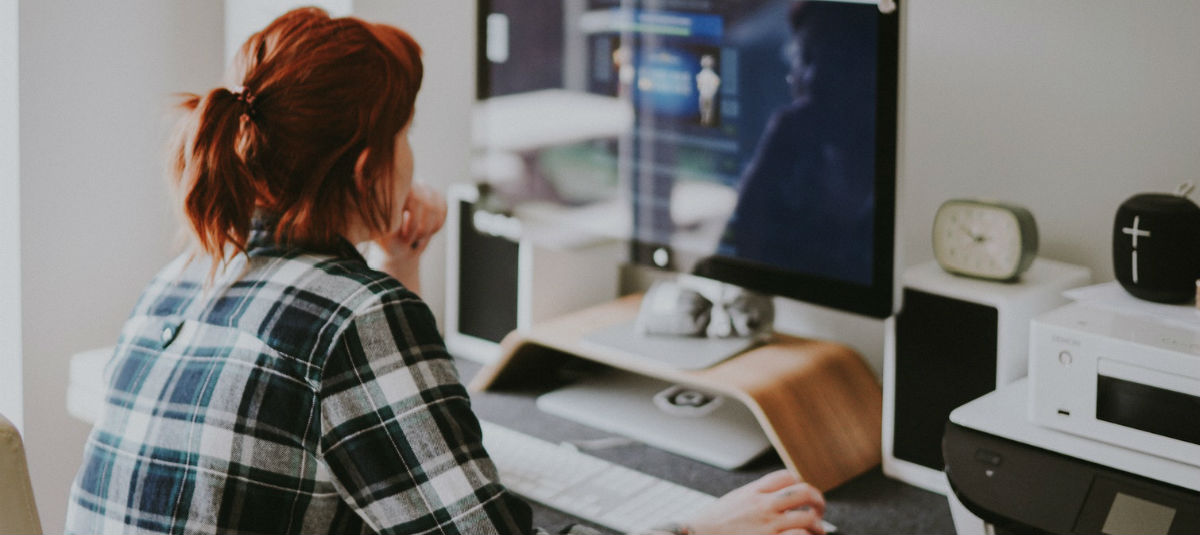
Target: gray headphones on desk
x=671, y=308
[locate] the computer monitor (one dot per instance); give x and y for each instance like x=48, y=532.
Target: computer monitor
x=748, y=141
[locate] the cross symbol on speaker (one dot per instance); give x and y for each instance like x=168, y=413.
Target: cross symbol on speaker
x=1134, y=233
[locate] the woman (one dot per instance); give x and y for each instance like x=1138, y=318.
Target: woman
x=270, y=381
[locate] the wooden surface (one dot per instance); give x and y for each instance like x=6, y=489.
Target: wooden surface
x=817, y=401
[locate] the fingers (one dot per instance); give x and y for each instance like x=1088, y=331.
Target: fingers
x=774, y=503
x=414, y=218
x=774, y=481
x=405, y=224
x=801, y=495
x=801, y=521
x=424, y=213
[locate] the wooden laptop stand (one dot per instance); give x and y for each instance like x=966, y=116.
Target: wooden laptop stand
x=817, y=401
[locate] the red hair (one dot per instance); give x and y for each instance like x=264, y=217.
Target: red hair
x=308, y=135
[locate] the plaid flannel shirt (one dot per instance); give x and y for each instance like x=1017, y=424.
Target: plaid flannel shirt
x=299, y=393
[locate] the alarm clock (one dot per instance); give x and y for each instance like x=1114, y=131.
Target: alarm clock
x=984, y=239
x=1156, y=247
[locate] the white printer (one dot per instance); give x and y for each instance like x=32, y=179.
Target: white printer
x=1102, y=437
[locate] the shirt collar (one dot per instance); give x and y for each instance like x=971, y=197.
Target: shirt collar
x=262, y=236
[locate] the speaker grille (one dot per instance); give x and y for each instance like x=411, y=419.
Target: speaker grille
x=487, y=281
x=945, y=357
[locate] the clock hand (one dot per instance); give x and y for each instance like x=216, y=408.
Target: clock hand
x=975, y=238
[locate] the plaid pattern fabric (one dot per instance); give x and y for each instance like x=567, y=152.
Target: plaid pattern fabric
x=298, y=393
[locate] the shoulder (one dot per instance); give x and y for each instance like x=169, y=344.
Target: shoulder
x=341, y=294
x=378, y=316
x=340, y=315
x=296, y=302
x=388, y=340
x=355, y=285
x=388, y=319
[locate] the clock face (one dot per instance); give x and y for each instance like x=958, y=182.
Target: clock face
x=986, y=240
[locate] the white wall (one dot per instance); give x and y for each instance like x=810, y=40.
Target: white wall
x=1066, y=107
x=244, y=17
x=95, y=81
x=10, y=232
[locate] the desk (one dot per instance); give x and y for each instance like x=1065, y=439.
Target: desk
x=870, y=503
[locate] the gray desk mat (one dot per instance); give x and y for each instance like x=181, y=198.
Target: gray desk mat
x=870, y=503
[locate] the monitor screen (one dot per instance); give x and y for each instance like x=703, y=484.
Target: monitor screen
x=749, y=141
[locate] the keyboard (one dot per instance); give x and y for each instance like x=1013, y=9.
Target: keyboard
x=587, y=487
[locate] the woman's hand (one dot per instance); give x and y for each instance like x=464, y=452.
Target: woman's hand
x=422, y=216
x=775, y=503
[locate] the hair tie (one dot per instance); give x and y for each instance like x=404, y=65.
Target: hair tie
x=244, y=96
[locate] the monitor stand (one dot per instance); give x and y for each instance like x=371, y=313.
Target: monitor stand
x=816, y=401
x=690, y=422
x=682, y=352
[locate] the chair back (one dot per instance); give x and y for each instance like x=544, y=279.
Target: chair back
x=18, y=512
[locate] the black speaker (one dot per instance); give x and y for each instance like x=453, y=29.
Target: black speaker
x=945, y=356
x=504, y=273
x=955, y=339
x=1156, y=247
x=486, y=300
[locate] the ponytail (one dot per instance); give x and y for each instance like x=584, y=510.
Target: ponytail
x=219, y=191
